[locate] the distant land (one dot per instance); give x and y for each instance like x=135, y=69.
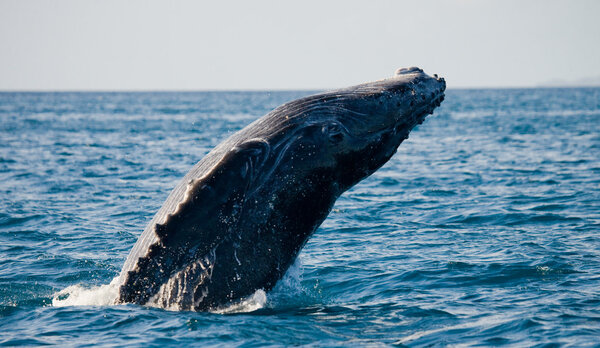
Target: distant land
x=593, y=81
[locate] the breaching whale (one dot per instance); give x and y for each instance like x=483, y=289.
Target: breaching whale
x=239, y=218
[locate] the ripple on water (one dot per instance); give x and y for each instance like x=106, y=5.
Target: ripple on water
x=481, y=230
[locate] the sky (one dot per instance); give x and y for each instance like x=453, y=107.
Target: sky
x=257, y=45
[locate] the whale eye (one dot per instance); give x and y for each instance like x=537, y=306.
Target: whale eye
x=334, y=131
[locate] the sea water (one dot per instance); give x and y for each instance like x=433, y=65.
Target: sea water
x=484, y=228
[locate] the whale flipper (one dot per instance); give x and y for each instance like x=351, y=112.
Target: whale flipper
x=207, y=215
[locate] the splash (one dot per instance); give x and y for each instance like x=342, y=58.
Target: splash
x=292, y=291
x=291, y=283
x=257, y=301
x=288, y=290
x=77, y=295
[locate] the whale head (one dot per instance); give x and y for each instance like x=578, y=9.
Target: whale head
x=350, y=133
x=380, y=116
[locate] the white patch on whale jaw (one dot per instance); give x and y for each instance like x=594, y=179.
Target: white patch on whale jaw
x=180, y=291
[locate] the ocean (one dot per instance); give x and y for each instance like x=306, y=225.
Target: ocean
x=484, y=228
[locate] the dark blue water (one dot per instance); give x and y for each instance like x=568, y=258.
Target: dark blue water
x=482, y=230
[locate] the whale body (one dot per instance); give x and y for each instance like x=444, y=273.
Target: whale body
x=239, y=218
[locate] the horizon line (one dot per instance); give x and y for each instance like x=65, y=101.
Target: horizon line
x=265, y=89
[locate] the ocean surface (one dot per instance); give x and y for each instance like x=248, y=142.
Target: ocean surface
x=484, y=228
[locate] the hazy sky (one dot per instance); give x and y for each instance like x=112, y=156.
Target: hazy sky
x=183, y=45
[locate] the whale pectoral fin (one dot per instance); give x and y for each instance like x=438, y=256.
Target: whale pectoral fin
x=208, y=214
x=218, y=193
x=212, y=202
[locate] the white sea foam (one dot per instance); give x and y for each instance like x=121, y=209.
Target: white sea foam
x=105, y=295
x=77, y=295
x=255, y=302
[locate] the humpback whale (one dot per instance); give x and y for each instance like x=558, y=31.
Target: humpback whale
x=236, y=222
